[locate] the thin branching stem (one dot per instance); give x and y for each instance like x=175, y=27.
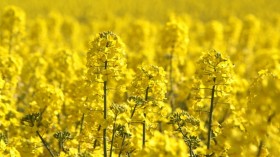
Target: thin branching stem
x=123, y=140
x=188, y=143
x=113, y=136
x=45, y=144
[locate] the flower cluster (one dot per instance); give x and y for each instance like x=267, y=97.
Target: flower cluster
x=202, y=83
x=106, y=58
x=12, y=28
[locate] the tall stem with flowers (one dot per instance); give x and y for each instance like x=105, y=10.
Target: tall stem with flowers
x=105, y=62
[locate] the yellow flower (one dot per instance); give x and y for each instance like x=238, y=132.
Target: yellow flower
x=151, y=78
x=2, y=146
x=106, y=58
x=164, y=145
x=12, y=28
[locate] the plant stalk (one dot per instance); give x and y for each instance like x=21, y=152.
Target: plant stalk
x=144, y=122
x=81, y=129
x=45, y=144
x=105, y=114
x=122, y=146
x=113, y=137
x=211, y=115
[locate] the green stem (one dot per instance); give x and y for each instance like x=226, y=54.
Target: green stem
x=188, y=143
x=269, y=119
x=45, y=144
x=60, y=145
x=81, y=129
x=95, y=141
x=147, y=93
x=260, y=149
x=122, y=145
x=104, y=142
x=144, y=122
x=144, y=133
x=160, y=126
x=105, y=115
x=113, y=137
x=211, y=115
x=190, y=151
x=133, y=111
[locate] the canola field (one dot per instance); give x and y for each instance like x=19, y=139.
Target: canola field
x=143, y=78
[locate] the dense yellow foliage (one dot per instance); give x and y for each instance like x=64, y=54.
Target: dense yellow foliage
x=139, y=78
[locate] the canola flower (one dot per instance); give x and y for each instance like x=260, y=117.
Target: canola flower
x=201, y=79
x=148, y=91
x=12, y=28
x=105, y=62
x=214, y=74
x=173, y=49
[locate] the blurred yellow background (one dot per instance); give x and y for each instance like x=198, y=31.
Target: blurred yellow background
x=156, y=10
